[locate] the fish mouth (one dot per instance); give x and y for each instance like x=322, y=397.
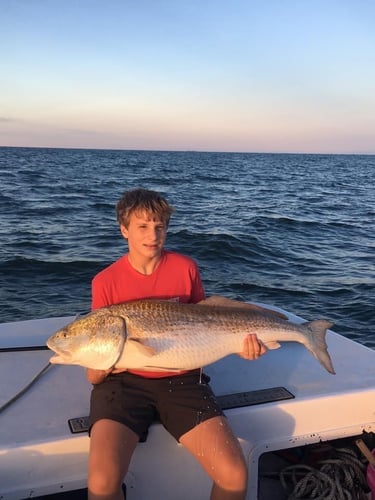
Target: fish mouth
x=59, y=351
x=56, y=359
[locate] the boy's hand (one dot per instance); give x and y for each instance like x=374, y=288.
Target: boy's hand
x=252, y=347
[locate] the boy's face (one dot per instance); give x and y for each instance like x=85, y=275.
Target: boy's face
x=146, y=234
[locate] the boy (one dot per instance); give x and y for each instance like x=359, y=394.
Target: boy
x=125, y=403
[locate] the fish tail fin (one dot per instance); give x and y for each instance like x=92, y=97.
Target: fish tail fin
x=316, y=332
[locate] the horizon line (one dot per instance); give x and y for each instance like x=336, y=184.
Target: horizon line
x=150, y=150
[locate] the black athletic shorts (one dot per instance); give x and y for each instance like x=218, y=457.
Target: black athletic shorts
x=180, y=402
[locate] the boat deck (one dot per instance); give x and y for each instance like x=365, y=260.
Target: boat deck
x=40, y=455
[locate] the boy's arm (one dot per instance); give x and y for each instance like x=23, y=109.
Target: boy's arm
x=97, y=376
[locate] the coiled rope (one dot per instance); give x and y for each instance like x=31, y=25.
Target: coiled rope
x=342, y=477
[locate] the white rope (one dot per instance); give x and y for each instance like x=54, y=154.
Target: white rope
x=20, y=393
x=25, y=389
x=341, y=477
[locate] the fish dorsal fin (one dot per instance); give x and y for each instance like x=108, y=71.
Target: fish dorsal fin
x=214, y=300
x=219, y=301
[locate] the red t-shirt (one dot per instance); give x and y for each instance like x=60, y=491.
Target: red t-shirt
x=175, y=278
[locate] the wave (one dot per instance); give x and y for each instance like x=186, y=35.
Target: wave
x=22, y=266
x=291, y=230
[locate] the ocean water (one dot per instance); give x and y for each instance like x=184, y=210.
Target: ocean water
x=295, y=231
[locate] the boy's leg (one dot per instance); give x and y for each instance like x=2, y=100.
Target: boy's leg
x=217, y=449
x=111, y=447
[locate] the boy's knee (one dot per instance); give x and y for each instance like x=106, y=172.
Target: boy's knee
x=102, y=485
x=233, y=476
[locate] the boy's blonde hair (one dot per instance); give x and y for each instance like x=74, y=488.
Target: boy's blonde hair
x=143, y=200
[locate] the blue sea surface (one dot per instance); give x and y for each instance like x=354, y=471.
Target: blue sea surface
x=295, y=231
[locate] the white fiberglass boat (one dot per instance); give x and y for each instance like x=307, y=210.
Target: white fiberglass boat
x=276, y=405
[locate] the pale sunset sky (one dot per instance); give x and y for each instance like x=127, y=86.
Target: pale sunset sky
x=224, y=75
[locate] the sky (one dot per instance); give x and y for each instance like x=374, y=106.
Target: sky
x=225, y=75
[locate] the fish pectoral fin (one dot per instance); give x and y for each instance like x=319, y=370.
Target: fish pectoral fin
x=137, y=347
x=272, y=345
